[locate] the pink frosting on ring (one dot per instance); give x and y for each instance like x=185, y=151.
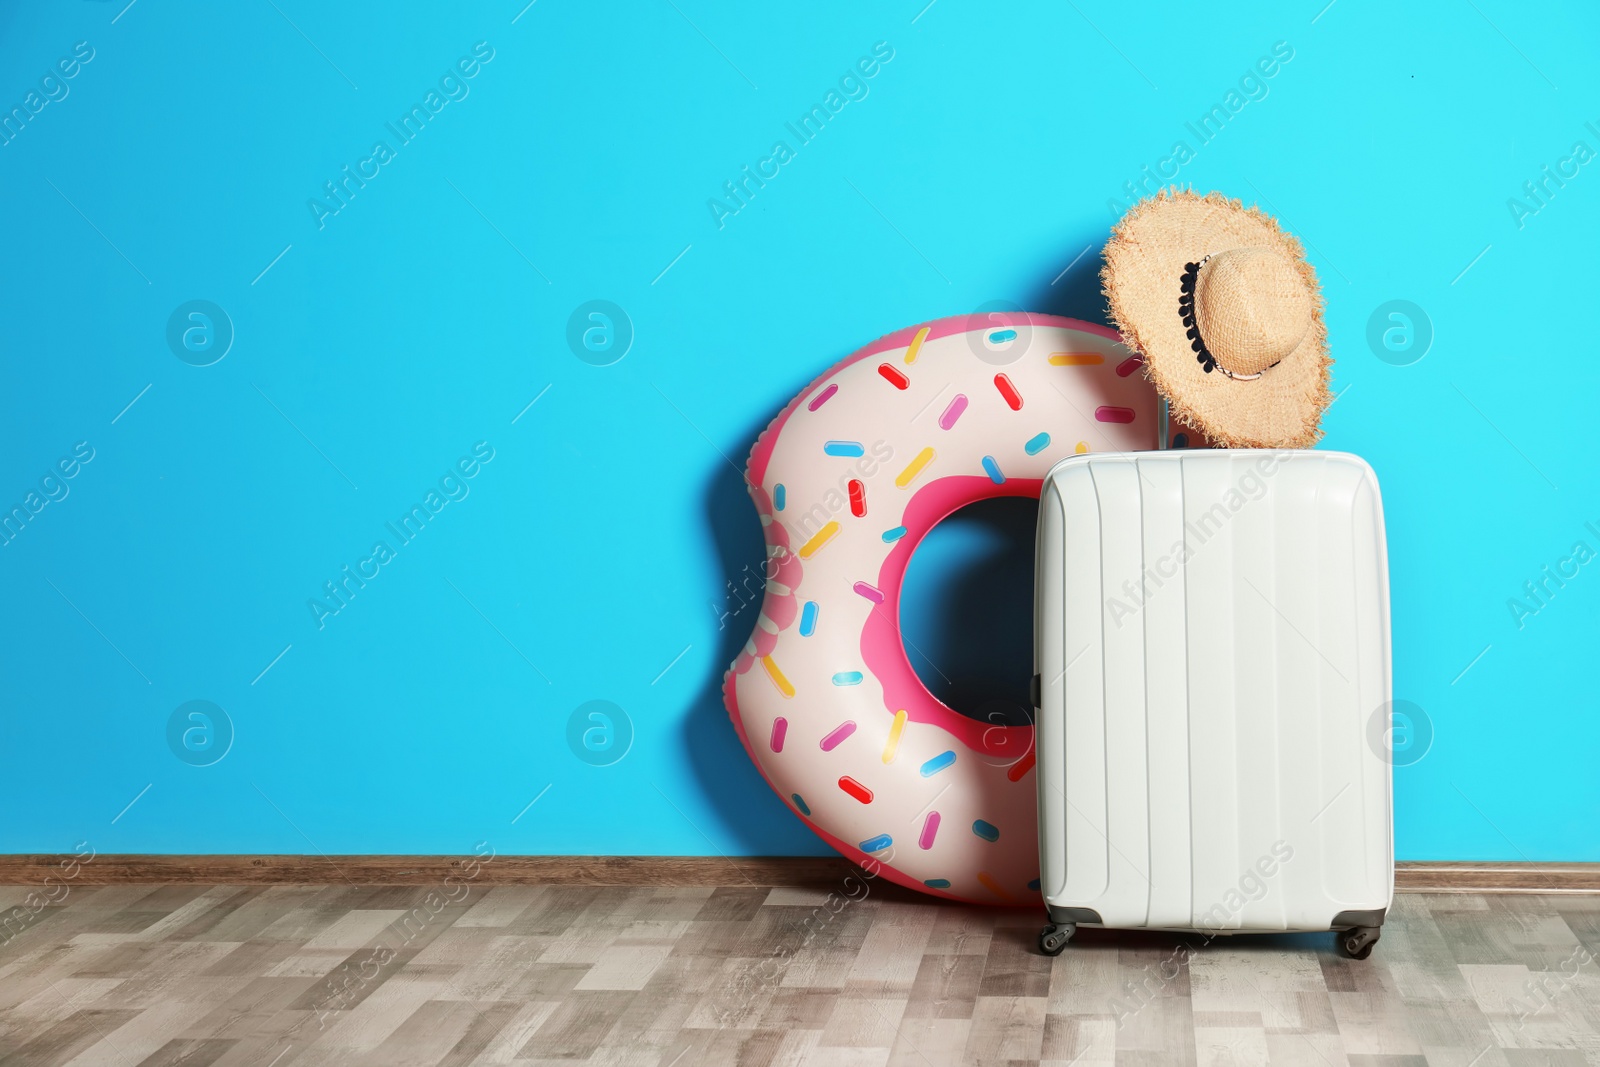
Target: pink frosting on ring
x=761, y=454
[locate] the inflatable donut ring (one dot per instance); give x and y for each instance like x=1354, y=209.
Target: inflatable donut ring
x=847, y=480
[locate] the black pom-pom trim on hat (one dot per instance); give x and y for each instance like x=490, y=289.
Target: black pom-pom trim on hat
x=1191, y=274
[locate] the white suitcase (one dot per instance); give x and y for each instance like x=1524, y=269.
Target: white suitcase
x=1211, y=642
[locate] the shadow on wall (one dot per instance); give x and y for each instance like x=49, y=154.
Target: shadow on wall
x=726, y=774
x=969, y=601
x=1076, y=294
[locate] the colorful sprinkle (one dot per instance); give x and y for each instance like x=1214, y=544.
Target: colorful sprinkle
x=986, y=830
x=777, y=677
x=893, y=376
x=856, y=789
x=799, y=802
x=1021, y=767
x=858, y=498
x=1034, y=884
x=1128, y=366
x=822, y=398
x=1009, y=391
x=836, y=738
x=871, y=592
x=847, y=678
x=822, y=537
x=914, y=468
x=938, y=763
x=891, y=536
x=1035, y=445
x=1082, y=448
x=877, y=844
x=937, y=883
x=1180, y=440
x=953, y=412
x=993, y=470
x=1107, y=413
x=847, y=449
x=1000, y=337
x=986, y=880
x=916, y=345
x=1076, y=359
x=808, y=619
x=930, y=830
x=780, y=730
x=780, y=497
x=895, y=730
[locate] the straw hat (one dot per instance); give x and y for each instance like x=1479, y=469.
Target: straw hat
x=1227, y=314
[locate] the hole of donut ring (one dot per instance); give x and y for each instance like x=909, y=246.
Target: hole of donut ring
x=966, y=610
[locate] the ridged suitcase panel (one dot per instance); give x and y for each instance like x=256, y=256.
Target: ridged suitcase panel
x=1212, y=639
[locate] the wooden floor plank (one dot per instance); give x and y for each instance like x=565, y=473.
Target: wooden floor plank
x=665, y=976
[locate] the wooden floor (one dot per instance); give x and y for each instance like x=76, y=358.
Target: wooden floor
x=684, y=977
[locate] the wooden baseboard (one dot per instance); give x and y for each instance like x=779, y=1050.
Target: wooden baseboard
x=1438, y=877
x=761, y=871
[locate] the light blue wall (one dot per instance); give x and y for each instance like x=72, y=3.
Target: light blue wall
x=591, y=558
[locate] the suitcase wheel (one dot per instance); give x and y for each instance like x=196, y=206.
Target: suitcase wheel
x=1054, y=938
x=1358, y=943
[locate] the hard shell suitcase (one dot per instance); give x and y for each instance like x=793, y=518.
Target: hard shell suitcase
x=1211, y=642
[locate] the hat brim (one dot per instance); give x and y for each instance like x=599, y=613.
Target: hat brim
x=1144, y=265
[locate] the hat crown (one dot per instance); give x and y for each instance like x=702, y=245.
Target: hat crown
x=1252, y=307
